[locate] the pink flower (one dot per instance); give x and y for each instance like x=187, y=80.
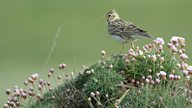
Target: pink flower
x=131, y=52
x=34, y=76
x=185, y=72
x=174, y=40
x=190, y=68
x=62, y=66
x=157, y=74
x=103, y=52
x=153, y=58
x=171, y=76
x=173, y=48
x=159, y=41
x=177, y=77
x=163, y=73
x=183, y=56
x=157, y=81
x=178, y=41
x=147, y=80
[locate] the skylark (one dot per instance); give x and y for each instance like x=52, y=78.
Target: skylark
x=123, y=31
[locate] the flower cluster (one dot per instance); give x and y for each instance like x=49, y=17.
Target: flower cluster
x=35, y=87
x=152, y=60
x=114, y=79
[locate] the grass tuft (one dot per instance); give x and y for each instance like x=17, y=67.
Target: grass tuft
x=148, y=77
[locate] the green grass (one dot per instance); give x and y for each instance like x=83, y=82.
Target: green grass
x=151, y=77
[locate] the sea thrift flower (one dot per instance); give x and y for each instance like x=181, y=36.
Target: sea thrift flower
x=157, y=81
x=103, y=52
x=5, y=106
x=88, y=72
x=173, y=48
x=157, y=74
x=25, y=82
x=180, y=52
x=51, y=70
x=153, y=58
x=183, y=50
x=31, y=89
x=171, y=76
x=89, y=99
x=31, y=93
x=174, y=40
x=147, y=80
x=149, y=77
x=49, y=83
x=39, y=96
x=24, y=95
x=53, y=97
x=177, y=77
x=41, y=82
x=159, y=41
x=190, y=70
x=150, y=70
x=140, y=52
x=40, y=87
x=30, y=80
x=152, y=82
x=92, y=94
x=62, y=66
x=92, y=71
x=110, y=66
x=50, y=88
x=143, y=78
x=146, y=47
x=131, y=52
x=8, y=91
x=185, y=72
x=34, y=76
x=97, y=93
x=163, y=74
x=132, y=81
x=183, y=65
x=181, y=41
x=183, y=56
x=137, y=82
x=59, y=77
x=188, y=78
x=49, y=74
x=162, y=59
x=169, y=45
x=18, y=104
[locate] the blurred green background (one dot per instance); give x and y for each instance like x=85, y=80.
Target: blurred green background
x=28, y=28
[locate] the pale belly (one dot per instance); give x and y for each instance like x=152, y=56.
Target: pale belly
x=119, y=39
x=122, y=40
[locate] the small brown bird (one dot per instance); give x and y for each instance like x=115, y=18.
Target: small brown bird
x=123, y=31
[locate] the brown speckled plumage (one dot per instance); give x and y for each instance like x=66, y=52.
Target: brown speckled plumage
x=123, y=29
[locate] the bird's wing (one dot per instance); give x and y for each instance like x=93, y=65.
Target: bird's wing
x=128, y=28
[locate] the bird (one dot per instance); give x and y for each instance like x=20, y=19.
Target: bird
x=123, y=31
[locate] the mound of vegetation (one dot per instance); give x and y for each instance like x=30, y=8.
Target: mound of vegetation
x=146, y=77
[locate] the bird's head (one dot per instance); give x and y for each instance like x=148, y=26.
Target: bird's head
x=111, y=16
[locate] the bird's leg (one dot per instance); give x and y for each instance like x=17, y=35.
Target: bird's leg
x=132, y=44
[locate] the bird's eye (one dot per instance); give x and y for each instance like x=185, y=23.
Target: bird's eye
x=109, y=15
